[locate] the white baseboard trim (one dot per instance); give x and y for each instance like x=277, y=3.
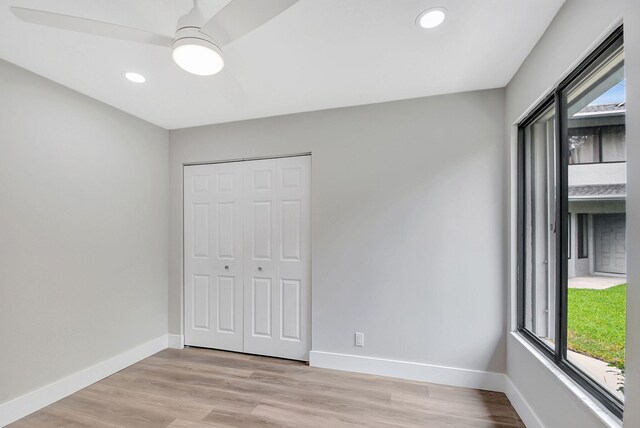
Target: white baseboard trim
x=521, y=406
x=24, y=405
x=176, y=341
x=430, y=373
x=409, y=370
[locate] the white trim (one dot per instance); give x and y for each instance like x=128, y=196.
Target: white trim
x=249, y=159
x=430, y=373
x=176, y=341
x=409, y=370
x=26, y=404
x=521, y=406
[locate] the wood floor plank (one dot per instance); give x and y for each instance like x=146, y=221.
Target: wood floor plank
x=112, y=411
x=215, y=396
x=54, y=416
x=201, y=388
x=181, y=423
x=184, y=409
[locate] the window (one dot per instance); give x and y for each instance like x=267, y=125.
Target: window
x=538, y=182
x=563, y=145
x=603, y=144
x=584, y=145
x=583, y=236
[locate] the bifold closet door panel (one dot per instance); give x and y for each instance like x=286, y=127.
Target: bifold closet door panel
x=213, y=249
x=277, y=257
x=294, y=252
x=260, y=265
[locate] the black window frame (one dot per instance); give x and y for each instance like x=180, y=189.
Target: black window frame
x=582, y=221
x=558, y=354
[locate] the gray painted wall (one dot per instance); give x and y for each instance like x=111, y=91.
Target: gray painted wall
x=83, y=227
x=564, y=44
x=407, y=223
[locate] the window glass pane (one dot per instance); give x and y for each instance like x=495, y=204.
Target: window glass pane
x=584, y=145
x=583, y=236
x=613, y=143
x=595, y=318
x=538, y=227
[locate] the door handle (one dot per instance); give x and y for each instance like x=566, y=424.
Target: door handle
x=260, y=268
x=226, y=267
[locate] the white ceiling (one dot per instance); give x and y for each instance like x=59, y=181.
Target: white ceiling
x=318, y=54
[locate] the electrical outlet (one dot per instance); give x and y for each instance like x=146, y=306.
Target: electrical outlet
x=359, y=339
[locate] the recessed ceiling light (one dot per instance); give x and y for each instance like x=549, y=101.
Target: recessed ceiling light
x=431, y=18
x=135, y=77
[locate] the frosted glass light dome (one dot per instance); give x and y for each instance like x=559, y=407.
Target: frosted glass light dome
x=197, y=56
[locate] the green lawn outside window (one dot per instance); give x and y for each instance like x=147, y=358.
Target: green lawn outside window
x=596, y=323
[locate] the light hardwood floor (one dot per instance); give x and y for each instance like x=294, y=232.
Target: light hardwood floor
x=205, y=388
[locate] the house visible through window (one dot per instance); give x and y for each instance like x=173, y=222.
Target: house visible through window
x=599, y=144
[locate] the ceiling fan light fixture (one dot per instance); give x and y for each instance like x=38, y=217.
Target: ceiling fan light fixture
x=196, y=45
x=197, y=59
x=194, y=53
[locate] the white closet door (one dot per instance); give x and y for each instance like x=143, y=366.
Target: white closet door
x=213, y=247
x=260, y=263
x=277, y=257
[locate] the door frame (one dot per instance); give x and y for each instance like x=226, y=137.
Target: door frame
x=213, y=162
x=183, y=224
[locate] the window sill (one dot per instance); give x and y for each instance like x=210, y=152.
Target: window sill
x=595, y=407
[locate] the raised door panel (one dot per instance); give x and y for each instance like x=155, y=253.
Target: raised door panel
x=290, y=233
x=261, y=242
x=226, y=304
x=200, y=229
x=213, y=256
x=290, y=317
x=201, y=303
x=226, y=231
x=261, y=309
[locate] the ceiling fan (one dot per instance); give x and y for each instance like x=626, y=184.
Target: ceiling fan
x=197, y=44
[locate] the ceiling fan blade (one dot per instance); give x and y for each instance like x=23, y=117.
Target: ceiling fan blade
x=231, y=90
x=242, y=16
x=90, y=26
